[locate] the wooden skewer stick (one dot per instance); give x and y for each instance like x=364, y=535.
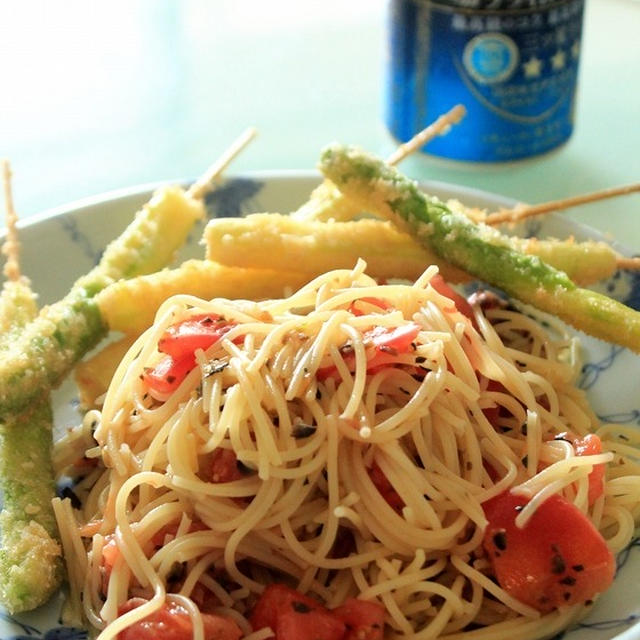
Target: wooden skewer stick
x=632, y=264
x=200, y=187
x=434, y=129
x=520, y=212
x=11, y=246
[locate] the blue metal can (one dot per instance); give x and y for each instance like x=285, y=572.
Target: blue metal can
x=512, y=63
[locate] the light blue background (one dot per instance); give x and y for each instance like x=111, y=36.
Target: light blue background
x=102, y=96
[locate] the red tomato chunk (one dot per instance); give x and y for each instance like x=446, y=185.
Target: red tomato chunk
x=459, y=302
x=275, y=599
x=389, y=342
x=198, y=332
x=301, y=623
x=362, y=305
x=180, y=342
x=391, y=496
x=364, y=620
x=172, y=622
x=559, y=558
x=398, y=339
x=294, y=616
x=224, y=466
x=168, y=374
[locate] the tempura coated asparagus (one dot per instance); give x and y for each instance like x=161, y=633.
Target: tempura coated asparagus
x=63, y=332
x=326, y=202
x=477, y=249
x=30, y=556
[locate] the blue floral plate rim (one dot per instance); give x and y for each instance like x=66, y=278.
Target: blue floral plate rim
x=75, y=225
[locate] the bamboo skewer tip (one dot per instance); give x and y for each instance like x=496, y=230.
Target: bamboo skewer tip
x=440, y=126
x=206, y=181
x=11, y=245
x=630, y=264
x=522, y=211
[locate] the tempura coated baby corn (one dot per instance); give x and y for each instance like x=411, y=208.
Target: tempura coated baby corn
x=477, y=249
x=263, y=240
x=130, y=305
x=94, y=374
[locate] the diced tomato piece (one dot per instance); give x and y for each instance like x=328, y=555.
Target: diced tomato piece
x=356, y=309
x=110, y=553
x=224, y=466
x=168, y=374
x=179, y=342
x=172, y=622
x=486, y=300
x=277, y=599
x=302, y=623
x=559, y=558
x=324, y=373
x=385, y=488
x=197, y=332
x=204, y=598
x=459, y=302
x=589, y=445
x=398, y=339
x=491, y=471
x=364, y=619
x=492, y=414
x=388, y=343
x=294, y=616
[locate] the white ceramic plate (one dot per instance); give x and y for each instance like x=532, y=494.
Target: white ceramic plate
x=60, y=245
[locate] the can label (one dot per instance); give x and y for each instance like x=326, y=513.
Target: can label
x=512, y=63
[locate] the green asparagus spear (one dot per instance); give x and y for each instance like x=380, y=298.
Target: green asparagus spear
x=30, y=556
x=476, y=248
x=63, y=332
x=327, y=203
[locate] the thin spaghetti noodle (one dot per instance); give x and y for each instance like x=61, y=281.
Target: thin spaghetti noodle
x=366, y=426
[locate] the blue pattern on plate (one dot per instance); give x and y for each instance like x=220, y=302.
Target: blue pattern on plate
x=592, y=370
x=533, y=228
x=625, y=417
x=30, y=632
x=237, y=197
x=233, y=198
x=72, y=229
x=633, y=297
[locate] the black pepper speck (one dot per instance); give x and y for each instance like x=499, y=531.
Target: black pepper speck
x=500, y=540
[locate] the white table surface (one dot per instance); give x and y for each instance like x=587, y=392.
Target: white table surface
x=97, y=97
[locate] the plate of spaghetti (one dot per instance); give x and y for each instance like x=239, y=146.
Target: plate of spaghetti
x=357, y=458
